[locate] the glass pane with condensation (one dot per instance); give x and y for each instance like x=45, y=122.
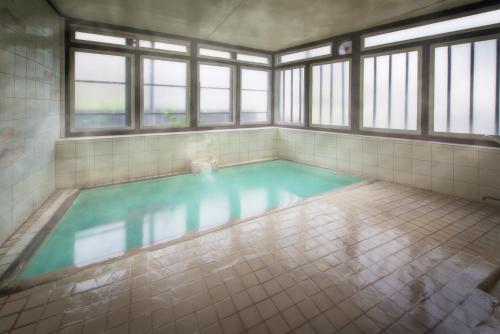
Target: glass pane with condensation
x=164, y=105
x=296, y=95
x=412, y=97
x=368, y=94
x=100, y=67
x=440, y=88
x=305, y=54
x=254, y=79
x=326, y=97
x=338, y=93
x=215, y=53
x=382, y=87
x=346, y=101
x=315, y=94
x=215, y=76
x=287, y=114
x=252, y=58
x=100, y=38
x=460, y=88
x=100, y=105
x=215, y=101
x=398, y=91
x=485, y=59
x=254, y=102
x=446, y=26
x=165, y=72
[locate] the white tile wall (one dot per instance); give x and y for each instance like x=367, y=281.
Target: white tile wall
x=466, y=171
x=82, y=162
x=29, y=108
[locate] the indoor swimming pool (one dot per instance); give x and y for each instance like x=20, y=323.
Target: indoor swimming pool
x=106, y=222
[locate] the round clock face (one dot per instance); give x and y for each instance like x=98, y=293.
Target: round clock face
x=345, y=48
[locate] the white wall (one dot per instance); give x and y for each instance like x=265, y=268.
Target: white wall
x=29, y=108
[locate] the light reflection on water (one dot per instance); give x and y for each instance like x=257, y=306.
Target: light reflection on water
x=107, y=221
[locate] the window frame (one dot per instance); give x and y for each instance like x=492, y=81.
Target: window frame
x=303, y=123
x=326, y=62
x=450, y=43
x=418, y=131
x=132, y=37
x=269, y=93
x=71, y=78
x=426, y=22
x=142, y=57
x=232, y=94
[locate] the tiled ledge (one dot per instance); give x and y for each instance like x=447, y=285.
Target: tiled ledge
x=17, y=243
x=466, y=171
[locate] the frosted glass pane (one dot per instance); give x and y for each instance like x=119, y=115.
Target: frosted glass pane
x=215, y=53
x=440, y=89
x=217, y=103
x=346, y=99
x=163, y=46
x=287, y=111
x=296, y=95
x=164, y=105
x=165, y=72
x=252, y=58
x=460, y=88
x=412, y=90
x=398, y=91
x=329, y=85
x=99, y=67
x=254, y=79
x=314, y=52
x=254, y=102
x=382, y=87
x=315, y=94
x=85, y=36
x=485, y=57
x=325, y=94
x=100, y=105
x=215, y=76
x=438, y=28
x=368, y=90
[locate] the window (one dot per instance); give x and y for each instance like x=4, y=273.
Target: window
x=465, y=88
x=433, y=29
x=330, y=94
x=214, y=53
x=215, y=94
x=164, y=93
x=325, y=50
x=164, y=46
x=252, y=58
x=100, y=38
x=290, y=95
x=102, y=91
x=390, y=91
x=254, y=96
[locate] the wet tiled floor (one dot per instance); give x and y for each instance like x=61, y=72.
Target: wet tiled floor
x=381, y=257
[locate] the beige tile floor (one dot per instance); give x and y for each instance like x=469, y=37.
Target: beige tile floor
x=378, y=258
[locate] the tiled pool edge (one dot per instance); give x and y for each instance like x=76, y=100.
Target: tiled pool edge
x=40, y=230
x=14, y=284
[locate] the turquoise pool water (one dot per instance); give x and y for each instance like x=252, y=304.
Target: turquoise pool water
x=107, y=221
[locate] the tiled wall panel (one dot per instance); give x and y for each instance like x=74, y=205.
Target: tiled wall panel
x=83, y=162
x=471, y=172
x=29, y=108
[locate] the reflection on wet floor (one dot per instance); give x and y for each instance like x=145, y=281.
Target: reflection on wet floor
x=378, y=258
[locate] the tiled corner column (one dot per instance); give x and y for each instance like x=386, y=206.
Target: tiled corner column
x=82, y=162
x=470, y=172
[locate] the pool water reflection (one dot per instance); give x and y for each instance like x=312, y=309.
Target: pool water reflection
x=107, y=221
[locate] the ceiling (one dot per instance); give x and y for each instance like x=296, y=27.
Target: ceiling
x=263, y=24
